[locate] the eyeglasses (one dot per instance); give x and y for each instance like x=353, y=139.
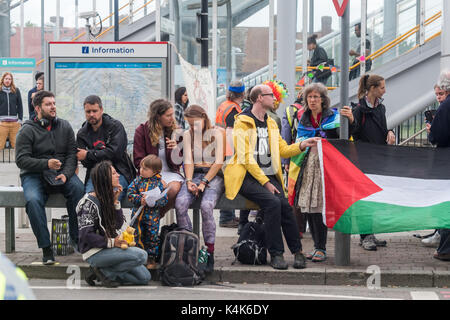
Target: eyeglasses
x=314, y=97
x=267, y=94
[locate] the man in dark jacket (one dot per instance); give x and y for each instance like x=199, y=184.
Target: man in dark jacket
x=47, y=144
x=103, y=138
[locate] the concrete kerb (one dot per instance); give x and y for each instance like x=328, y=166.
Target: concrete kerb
x=265, y=274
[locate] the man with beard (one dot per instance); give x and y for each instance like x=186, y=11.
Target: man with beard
x=46, y=156
x=103, y=138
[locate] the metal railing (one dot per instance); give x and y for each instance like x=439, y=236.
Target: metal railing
x=412, y=132
x=399, y=46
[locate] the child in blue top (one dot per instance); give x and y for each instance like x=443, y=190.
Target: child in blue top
x=147, y=223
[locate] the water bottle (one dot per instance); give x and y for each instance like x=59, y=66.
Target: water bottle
x=203, y=255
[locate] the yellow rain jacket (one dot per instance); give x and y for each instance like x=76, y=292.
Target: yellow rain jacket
x=243, y=160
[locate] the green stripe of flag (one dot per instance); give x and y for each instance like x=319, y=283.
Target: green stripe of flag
x=366, y=217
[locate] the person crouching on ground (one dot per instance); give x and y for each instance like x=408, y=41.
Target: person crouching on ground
x=147, y=223
x=100, y=218
x=203, y=174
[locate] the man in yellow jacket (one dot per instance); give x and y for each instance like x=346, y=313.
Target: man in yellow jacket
x=255, y=173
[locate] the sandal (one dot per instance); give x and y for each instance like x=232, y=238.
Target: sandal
x=319, y=256
x=311, y=255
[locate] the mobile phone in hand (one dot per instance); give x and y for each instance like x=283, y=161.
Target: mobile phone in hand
x=429, y=115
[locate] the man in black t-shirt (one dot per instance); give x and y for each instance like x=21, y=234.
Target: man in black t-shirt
x=255, y=173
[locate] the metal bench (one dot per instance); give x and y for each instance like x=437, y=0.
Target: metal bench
x=13, y=197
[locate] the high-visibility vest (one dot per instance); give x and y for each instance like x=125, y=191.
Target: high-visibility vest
x=221, y=120
x=294, y=113
x=224, y=110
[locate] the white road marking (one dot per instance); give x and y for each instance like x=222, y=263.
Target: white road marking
x=93, y=288
x=293, y=294
x=424, y=295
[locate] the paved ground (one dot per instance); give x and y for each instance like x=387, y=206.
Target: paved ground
x=404, y=262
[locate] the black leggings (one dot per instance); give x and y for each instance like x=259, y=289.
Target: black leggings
x=318, y=230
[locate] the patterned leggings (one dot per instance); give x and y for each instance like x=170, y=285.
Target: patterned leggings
x=209, y=199
x=146, y=235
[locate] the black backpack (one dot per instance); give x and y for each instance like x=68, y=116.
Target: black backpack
x=251, y=248
x=179, y=260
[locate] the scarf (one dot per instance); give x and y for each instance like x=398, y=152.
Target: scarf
x=303, y=133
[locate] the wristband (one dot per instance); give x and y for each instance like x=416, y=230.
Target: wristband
x=205, y=181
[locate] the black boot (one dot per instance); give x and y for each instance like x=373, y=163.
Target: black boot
x=277, y=262
x=90, y=277
x=106, y=282
x=48, y=258
x=210, y=264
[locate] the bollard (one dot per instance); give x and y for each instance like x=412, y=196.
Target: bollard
x=342, y=249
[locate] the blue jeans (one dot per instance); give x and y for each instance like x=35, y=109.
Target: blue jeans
x=226, y=215
x=36, y=197
x=124, y=266
x=123, y=182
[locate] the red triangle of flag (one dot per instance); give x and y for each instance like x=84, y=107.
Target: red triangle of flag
x=344, y=185
x=340, y=5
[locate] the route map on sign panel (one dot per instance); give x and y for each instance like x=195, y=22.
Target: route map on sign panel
x=126, y=90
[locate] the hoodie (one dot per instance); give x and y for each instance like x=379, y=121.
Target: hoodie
x=91, y=231
x=35, y=145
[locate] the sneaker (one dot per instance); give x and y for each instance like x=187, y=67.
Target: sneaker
x=442, y=256
x=90, y=277
x=277, y=262
x=299, y=261
x=432, y=241
x=369, y=243
x=380, y=243
x=48, y=258
x=106, y=282
x=210, y=264
x=229, y=224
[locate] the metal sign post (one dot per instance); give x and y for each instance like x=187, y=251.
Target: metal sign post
x=342, y=241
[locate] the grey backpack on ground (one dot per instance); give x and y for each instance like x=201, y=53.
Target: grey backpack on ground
x=179, y=259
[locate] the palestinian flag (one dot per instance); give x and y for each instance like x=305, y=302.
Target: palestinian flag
x=384, y=189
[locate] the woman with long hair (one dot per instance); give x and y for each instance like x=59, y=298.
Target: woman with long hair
x=11, y=110
x=181, y=103
x=157, y=136
x=100, y=219
x=368, y=124
x=204, y=154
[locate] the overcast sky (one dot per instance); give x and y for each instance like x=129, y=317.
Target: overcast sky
x=33, y=11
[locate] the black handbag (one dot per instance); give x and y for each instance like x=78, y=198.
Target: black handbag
x=49, y=177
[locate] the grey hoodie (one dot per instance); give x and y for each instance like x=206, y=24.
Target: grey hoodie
x=35, y=145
